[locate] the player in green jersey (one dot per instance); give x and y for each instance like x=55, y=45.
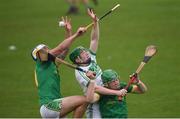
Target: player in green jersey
x=52, y=104
x=111, y=106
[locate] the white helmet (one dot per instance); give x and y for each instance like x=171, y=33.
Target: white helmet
x=35, y=50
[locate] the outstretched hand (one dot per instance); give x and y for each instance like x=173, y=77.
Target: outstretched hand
x=92, y=15
x=67, y=22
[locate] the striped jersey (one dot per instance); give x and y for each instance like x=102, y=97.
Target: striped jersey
x=93, y=109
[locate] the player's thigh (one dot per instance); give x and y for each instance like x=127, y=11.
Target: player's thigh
x=48, y=113
x=70, y=103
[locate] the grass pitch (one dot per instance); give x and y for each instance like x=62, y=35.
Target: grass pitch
x=123, y=38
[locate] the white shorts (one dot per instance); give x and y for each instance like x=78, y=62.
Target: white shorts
x=93, y=111
x=47, y=113
x=52, y=109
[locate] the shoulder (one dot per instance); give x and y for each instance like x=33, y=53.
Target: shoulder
x=91, y=52
x=93, y=55
x=123, y=84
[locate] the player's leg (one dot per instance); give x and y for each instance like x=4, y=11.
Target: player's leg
x=72, y=6
x=95, y=2
x=87, y=4
x=48, y=113
x=71, y=103
x=79, y=111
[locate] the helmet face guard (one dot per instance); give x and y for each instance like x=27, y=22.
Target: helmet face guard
x=109, y=75
x=36, y=49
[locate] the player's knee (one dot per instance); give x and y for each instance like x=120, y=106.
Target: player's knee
x=93, y=99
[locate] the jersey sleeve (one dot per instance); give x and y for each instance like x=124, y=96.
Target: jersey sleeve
x=82, y=79
x=93, y=56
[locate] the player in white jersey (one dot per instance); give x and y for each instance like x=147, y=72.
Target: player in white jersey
x=86, y=59
x=93, y=109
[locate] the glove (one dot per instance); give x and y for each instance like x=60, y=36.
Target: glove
x=134, y=78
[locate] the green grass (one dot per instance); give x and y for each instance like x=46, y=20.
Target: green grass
x=124, y=36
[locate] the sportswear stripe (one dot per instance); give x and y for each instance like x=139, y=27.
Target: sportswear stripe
x=82, y=74
x=91, y=110
x=35, y=78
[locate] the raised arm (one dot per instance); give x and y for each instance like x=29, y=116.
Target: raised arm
x=138, y=86
x=95, y=32
x=68, y=33
x=67, y=42
x=68, y=26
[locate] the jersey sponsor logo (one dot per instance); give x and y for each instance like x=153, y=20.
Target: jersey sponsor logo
x=94, y=67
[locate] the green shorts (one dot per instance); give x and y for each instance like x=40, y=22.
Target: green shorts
x=54, y=105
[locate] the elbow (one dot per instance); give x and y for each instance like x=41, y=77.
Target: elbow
x=144, y=90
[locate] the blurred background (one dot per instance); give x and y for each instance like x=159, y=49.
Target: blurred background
x=124, y=36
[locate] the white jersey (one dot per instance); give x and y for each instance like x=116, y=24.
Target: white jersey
x=93, y=109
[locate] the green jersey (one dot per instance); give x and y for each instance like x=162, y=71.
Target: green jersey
x=111, y=107
x=48, y=81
